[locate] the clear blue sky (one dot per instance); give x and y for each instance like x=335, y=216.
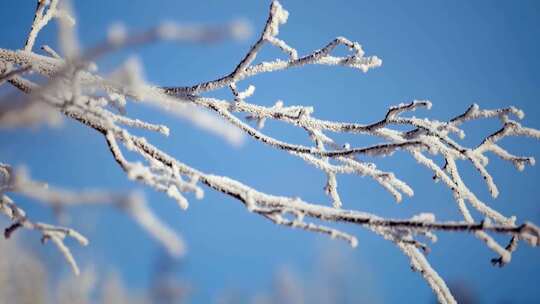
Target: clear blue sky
x=451, y=52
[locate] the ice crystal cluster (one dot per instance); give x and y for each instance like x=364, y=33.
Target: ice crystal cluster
x=71, y=87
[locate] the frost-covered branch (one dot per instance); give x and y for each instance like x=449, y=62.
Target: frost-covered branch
x=18, y=181
x=55, y=234
x=278, y=16
x=74, y=88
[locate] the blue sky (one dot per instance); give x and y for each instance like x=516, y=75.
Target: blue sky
x=452, y=53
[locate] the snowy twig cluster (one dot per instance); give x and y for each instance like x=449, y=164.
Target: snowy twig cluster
x=74, y=89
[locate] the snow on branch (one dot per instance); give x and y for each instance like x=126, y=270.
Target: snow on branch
x=74, y=89
x=277, y=17
x=18, y=181
x=56, y=234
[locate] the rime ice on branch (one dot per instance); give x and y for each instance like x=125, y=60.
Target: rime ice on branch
x=78, y=92
x=19, y=182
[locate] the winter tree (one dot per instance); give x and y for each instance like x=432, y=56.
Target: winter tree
x=65, y=83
